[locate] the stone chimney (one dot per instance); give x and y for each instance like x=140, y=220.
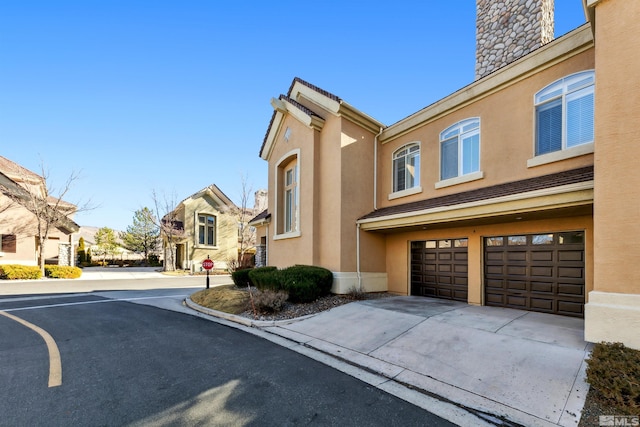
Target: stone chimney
x=509, y=29
x=260, y=200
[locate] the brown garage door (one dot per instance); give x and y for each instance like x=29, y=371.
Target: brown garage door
x=439, y=269
x=538, y=272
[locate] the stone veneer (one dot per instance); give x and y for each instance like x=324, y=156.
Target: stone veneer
x=509, y=29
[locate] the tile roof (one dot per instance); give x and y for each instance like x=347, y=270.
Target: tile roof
x=313, y=87
x=288, y=98
x=15, y=171
x=511, y=188
x=262, y=215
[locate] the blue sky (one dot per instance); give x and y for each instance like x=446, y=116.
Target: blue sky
x=173, y=96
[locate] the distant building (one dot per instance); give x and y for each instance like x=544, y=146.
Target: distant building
x=18, y=225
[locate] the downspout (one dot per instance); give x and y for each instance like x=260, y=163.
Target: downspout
x=375, y=205
x=358, y=257
x=266, y=257
x=375, y=172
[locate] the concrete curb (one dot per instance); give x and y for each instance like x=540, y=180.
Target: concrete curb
x=241, y=319
x=376, y=376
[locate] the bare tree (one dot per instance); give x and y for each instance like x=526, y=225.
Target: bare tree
x=246, y=233
x=171, y=229
x=46, y=203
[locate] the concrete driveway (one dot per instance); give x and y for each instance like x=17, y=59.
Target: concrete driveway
x=522, y=366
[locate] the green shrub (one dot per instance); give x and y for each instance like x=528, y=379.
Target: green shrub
x=613, y=370
x=269, y=301
x=306, y=283
x=154, y=260
x=241, y=278
x=62, y=272
x=20, y=272
x=266, y=278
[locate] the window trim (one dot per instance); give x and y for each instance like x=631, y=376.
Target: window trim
x=562, y=84
x=446, y=135
x=407, y=191
x=196, y=239
x=279, y=233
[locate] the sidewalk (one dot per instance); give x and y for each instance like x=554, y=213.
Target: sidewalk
x=525, y=367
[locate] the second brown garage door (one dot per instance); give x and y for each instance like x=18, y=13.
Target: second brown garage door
x=439, y=268
x=539, y=272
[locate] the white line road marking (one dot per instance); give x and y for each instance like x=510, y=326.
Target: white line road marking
x=55, y=363
x=94, y=302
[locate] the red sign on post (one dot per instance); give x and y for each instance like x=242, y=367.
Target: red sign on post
x=207, y=264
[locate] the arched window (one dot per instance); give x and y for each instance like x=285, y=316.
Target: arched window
x=460, y=149
x=288, y=195
x=406, y=167
x=564, y=113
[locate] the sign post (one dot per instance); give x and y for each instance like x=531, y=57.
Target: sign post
x=207, y=264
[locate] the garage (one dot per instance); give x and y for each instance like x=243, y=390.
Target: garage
x=536, y=272
x=439, y=268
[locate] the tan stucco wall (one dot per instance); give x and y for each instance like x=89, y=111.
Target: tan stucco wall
x=506, y=137
x=335, y=189
x=284, y=252
x=617, y=205
x=613, y=311
x=398, y=249
x=356, y=197
x=330, y=204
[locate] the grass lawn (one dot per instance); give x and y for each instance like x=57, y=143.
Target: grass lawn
x=222, y=298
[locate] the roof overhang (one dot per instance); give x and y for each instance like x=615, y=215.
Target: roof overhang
x=306, y=95
x=261, y=222
x=538, y=201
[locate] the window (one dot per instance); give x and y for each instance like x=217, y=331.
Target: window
x=8, y=243
x=460, y=149
x=207, y=229
x=287, y=195
x=564, y=113
x=290, y=199
x=406, y=167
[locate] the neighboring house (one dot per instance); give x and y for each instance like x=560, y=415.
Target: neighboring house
x=120, y=253
x=18, y=225
x=488, y=196
x=205, y=224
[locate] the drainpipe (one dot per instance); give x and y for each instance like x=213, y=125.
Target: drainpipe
x=375, y=170
x=266, y=248
x=358, y=257
x=375, y=205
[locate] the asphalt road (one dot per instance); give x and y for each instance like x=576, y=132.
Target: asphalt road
x=124, y=363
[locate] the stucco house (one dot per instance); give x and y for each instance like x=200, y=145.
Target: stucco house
x=206, y=224
x=519, y=190
x=20, y=188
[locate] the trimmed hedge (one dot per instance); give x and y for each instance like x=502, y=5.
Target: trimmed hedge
x=20, y=272
x=303, y=283
x=62, y=272
x=241, y=278
x=265, y=278
x=306, y=283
